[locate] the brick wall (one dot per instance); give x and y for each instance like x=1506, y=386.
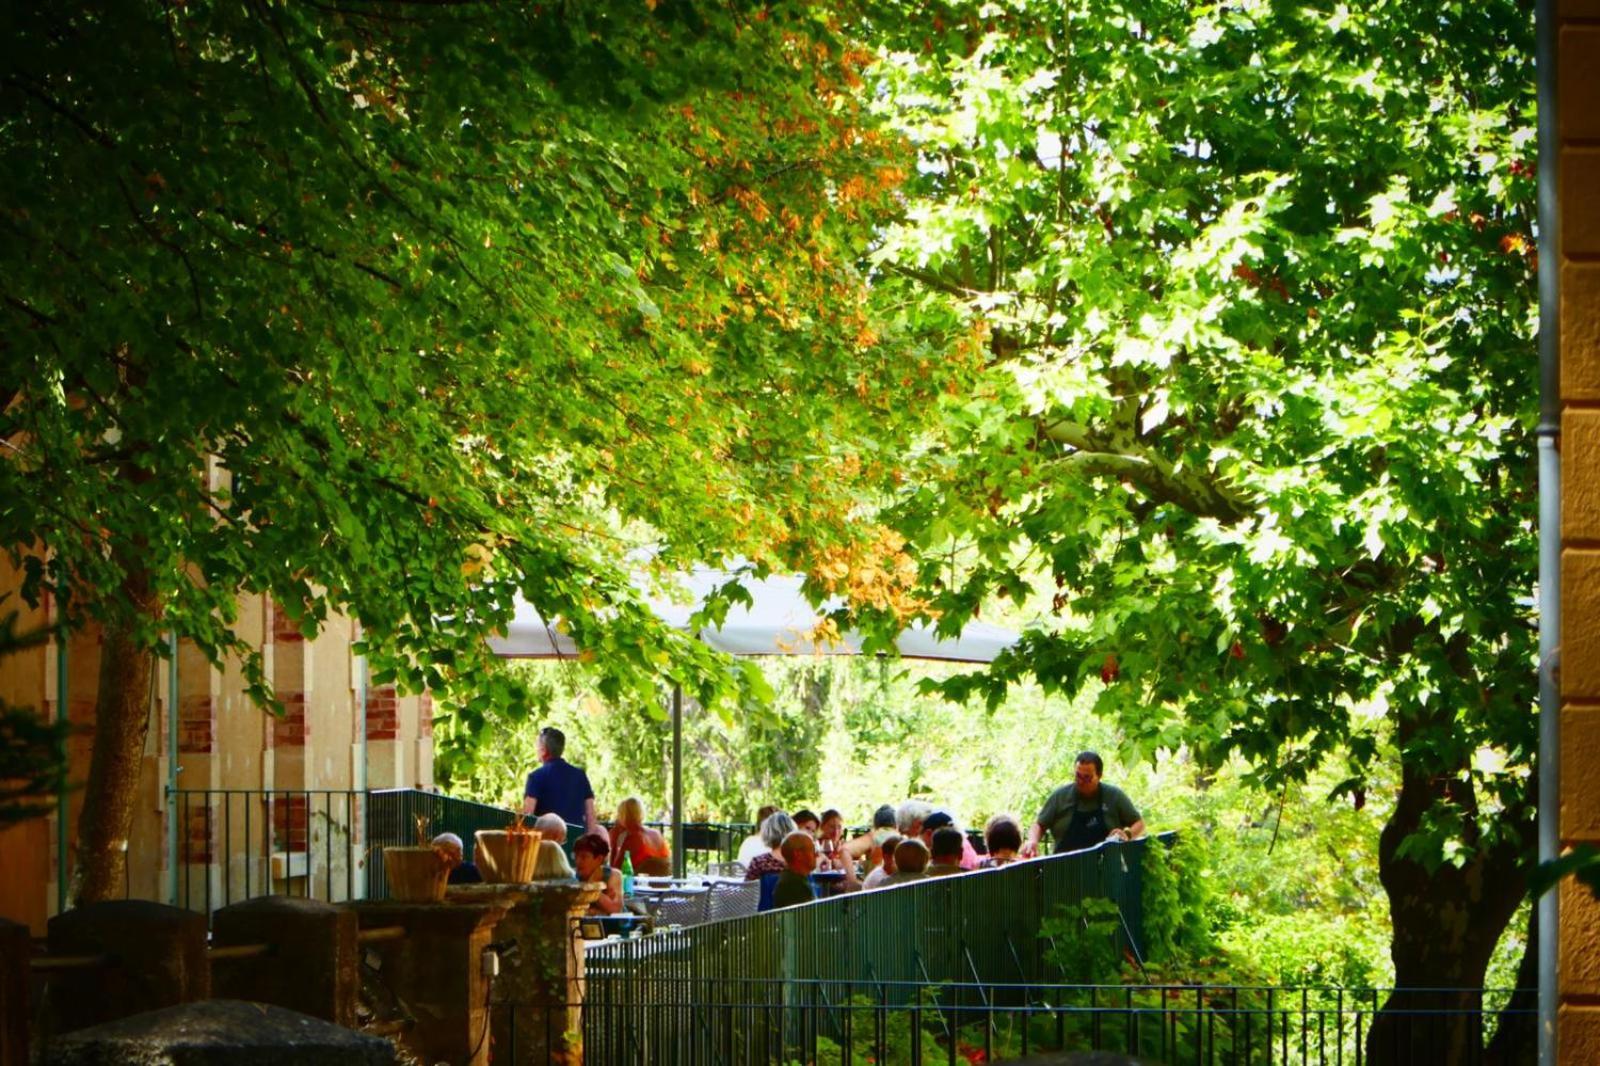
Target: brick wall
x=284, y=630
x=291, y=730
x=289, y=822
x=197, y=725
x=199, y=834
x=425, y=715
x=1578, y=96
x=383, y=713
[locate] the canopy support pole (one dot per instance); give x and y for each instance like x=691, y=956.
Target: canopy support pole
x=679, y=861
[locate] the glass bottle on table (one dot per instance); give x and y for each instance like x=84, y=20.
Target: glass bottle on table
x=627, y=876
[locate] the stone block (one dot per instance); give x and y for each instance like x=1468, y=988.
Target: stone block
x=1580, y=644
x=1578, y=82
x=219, y=1032
x=156, y=958
x=15, y=950
x=1580, y=206
x=540, y=986
x=434, y=971
x=1580, y=331
x=313, y=965
x=1577, y=1035
x=1580, y=784
x=1579, y=948
x=1580, y=475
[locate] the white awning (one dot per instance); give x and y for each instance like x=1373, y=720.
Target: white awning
x=780, y=621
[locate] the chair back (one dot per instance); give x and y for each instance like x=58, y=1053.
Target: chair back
x=733, y=901
x=769, y=885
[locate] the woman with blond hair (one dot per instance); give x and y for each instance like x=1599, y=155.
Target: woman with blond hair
x=551, y=863
x=646, y=847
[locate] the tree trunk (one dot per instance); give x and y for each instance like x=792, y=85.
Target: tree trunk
x=1516, y=1038
x=1446, y=925
x=121, y=722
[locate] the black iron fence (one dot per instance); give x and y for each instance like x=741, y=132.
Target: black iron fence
x=663, y=1019
x=236, y=844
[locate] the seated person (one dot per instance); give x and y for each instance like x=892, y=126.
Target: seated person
x=773, y=831
x=551, y=863
x=937, y=820
x=753, y=845
x=551, y=827
x=869, y=846
x=644, y=845
x=461, y=872
x=885, y=867
x=1003, y=838
x=589, y=853
x=807, y=821
x=946, y=852
x=910, y=863
x=830, y=834
x=800, y=858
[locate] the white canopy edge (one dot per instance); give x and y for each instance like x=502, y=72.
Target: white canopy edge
x=780, y=621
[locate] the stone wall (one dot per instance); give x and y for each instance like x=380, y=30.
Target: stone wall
x=1578, y=92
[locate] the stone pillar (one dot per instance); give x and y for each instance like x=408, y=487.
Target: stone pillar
x=434, y=971
x=219, y=1032
x=157, y=958
x=1578, y=113
x=313, y=964
x=536, y=1017
x=15, y=950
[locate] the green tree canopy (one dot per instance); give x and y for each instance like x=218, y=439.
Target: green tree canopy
x=1255, y=282
x=403, y=311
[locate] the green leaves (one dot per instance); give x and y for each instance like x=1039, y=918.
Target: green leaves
x=406, y=317
x=1251, y=393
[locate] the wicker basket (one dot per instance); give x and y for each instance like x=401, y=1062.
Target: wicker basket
x=415, y=874
x=506, y=858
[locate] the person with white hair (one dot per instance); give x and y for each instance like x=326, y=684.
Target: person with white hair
x=461, y=872
x=774, y=830
x=909, y=815
x=551, y=827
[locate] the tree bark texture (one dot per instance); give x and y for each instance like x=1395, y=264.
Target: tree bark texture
x=1446, y=924
x=122, y=707
x=1516, y=1038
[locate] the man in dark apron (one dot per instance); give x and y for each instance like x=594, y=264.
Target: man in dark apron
x=1085, y=813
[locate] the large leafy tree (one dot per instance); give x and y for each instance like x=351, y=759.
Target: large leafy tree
x=1255, y=283
x=402, y=310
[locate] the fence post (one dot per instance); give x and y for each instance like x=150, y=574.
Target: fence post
x=157, y=959
x=313, y=964
x=435, y=969
x=536, y=1000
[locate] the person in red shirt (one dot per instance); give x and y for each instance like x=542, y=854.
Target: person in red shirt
x=631, y=836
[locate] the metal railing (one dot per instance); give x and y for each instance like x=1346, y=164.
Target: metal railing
x=327, y=844
x=982, y=926
x=698, y=1020
x=236, y=844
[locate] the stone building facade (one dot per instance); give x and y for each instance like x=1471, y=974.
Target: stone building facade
x=260, y=800
x=1578, y=113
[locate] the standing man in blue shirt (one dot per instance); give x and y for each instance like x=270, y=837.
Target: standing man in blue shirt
x=558, y=787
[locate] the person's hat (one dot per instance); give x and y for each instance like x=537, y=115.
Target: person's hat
x=937, y=820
